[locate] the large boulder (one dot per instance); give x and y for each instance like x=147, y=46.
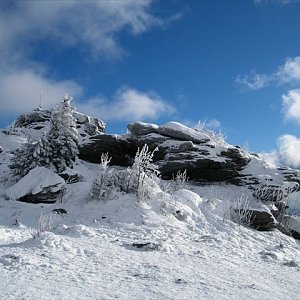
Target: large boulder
x=40, y=185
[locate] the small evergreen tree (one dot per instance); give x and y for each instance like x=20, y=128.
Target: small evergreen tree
x=58, y=149
x=30, y=155
x=63, y=136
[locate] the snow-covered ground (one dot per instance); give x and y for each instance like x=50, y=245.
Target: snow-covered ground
x=127, y=249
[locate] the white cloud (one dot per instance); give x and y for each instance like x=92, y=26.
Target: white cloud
x=20, y=91
x=253, y=81
x=127, y=105
x=291, y=105
x=288, y=73
x=272, y=158
x=287, y=154
x=92, y=25
x=213, y=124
x=289, y=150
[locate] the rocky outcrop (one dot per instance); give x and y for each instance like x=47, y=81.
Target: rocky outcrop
x=179, y=148
x=36, y=122
x=206, y=158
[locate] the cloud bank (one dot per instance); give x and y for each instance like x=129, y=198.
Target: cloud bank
x=20, y=91
x=94, y=24
x=91, y=25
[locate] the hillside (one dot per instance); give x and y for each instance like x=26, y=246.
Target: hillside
x=228, y=232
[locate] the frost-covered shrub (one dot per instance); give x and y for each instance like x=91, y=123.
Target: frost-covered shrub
x=238, y=210
x=44, y=223
x=103, y=183
x=180, y=180
x=142, y=178
x=32, y=154
x=143, y=175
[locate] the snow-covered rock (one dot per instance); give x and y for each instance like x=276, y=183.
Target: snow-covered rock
x=40, y=185
x=181, y=132
x=262, y=219
x=139, y=128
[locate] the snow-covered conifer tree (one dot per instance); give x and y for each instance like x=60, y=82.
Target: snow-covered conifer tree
x=30, y=155
x=57, y=149
x=62, y=136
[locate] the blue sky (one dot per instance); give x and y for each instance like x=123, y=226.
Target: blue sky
x=235, y=64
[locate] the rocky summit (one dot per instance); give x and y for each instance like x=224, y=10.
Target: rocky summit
x=204, y=155
x=36, y=122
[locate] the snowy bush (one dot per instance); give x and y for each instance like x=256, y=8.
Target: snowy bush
x=143, y=175
x=104, y=183
x=238, y=210
x=29, y=156
x=44, y=223
x=180, y=180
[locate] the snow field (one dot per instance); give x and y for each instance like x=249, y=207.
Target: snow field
x=96, y=250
